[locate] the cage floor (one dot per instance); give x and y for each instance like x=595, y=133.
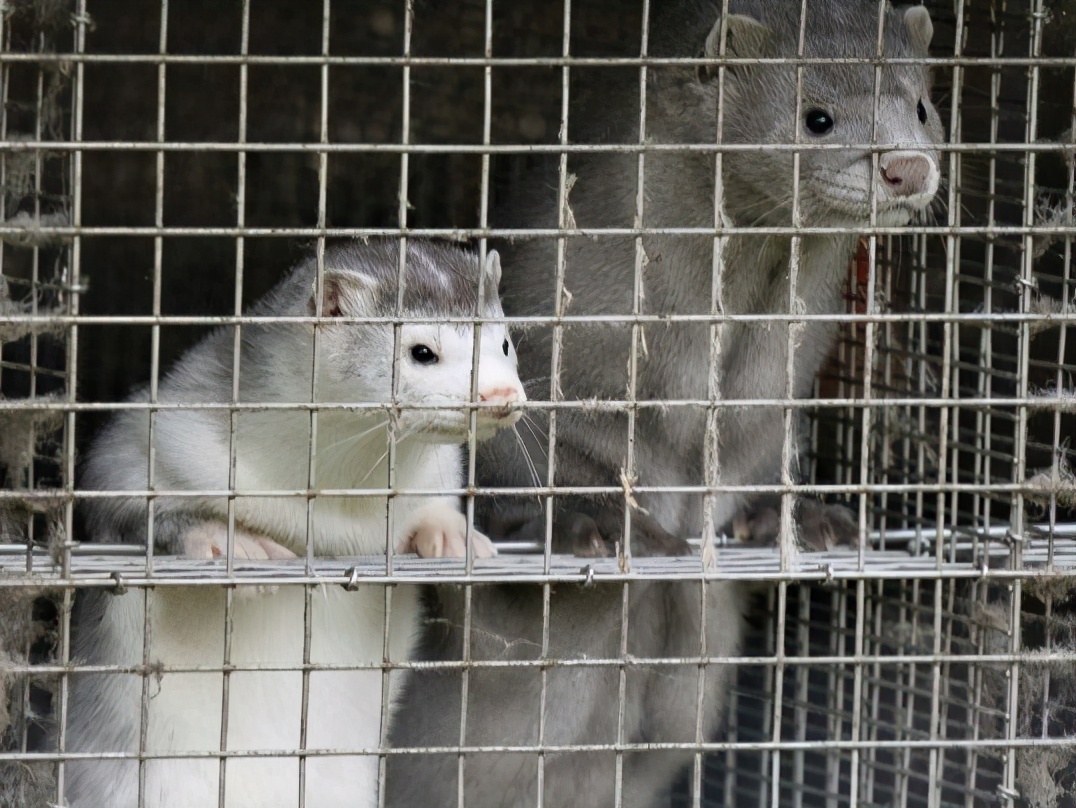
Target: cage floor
x=121, y=565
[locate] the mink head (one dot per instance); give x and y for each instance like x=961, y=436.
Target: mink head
x=834, y=111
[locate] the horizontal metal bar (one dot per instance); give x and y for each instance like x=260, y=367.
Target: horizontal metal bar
x=467, y=234
x=522, y=491
x=1042, y=559
x=1044, y=402
x=960, y=318
x=955, y=538
x=895, y=661
x=314, y=147
x=312, y=60
x=827, y=744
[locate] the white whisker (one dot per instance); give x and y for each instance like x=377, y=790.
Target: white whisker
x=536, y=433
x=535, y=479
x=354, y=441
x=373, y=466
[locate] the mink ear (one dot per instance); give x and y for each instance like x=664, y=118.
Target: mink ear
x=493, y=268
x=745, y=37
x=920, y=27
x=343, y=294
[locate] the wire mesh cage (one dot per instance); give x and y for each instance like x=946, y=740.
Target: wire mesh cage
x=162, y=172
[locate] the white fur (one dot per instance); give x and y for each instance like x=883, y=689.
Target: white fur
x=185, y=626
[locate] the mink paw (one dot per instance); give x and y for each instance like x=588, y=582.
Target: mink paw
x=210, y=540
x=823, y=527
x=440, y=531
x=818, y=526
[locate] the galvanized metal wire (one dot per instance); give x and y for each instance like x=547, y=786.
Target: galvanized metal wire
x=895, y=673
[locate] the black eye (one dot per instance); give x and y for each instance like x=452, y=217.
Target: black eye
x=818, y=121
x=921, y=111
x=424, y=355
x=504, y=346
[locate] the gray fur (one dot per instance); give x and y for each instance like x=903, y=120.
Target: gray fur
x=759, y=107
x=581, y=702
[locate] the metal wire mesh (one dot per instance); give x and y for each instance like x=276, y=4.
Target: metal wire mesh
x=161, y=171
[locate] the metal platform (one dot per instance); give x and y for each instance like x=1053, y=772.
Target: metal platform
x=1041, y=553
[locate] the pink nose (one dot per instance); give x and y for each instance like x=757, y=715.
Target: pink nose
x=906, y=174
x=504, y=396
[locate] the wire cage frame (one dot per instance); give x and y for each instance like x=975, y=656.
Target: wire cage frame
x=160, y=173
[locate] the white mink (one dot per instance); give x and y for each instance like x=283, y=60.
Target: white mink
x=185, y=626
